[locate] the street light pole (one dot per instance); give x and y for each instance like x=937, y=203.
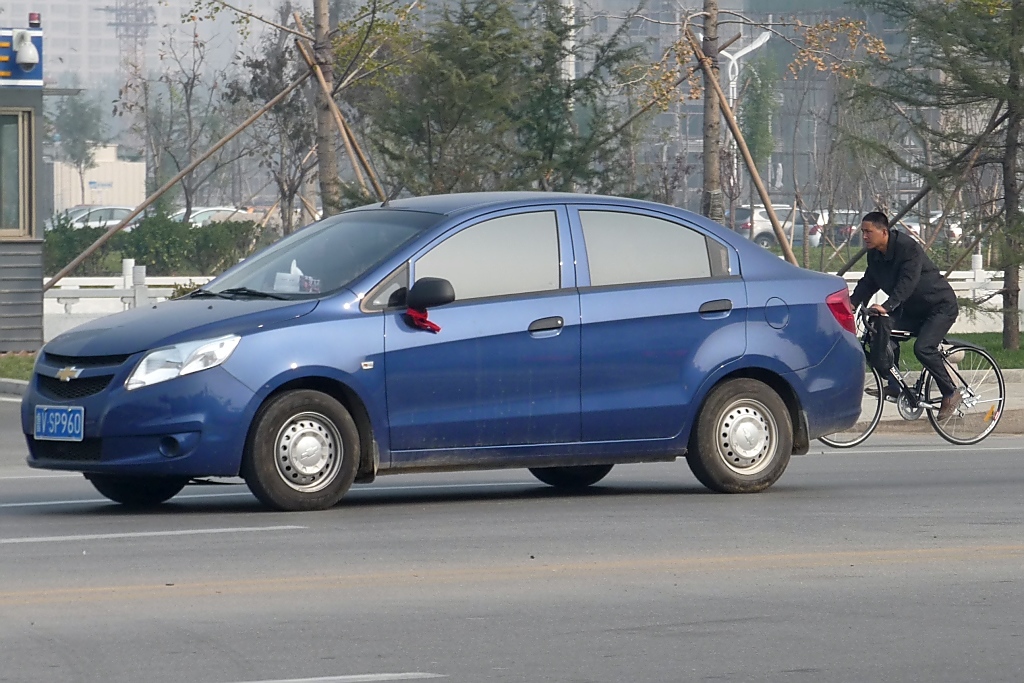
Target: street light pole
x=734, y=77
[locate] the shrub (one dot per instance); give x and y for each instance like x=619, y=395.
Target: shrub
x=165, y=247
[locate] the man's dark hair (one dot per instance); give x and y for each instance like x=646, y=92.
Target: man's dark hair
x=877, y=218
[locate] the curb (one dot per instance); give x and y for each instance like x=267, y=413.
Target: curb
x=15, y=387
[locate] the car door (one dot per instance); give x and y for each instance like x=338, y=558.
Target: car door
x=504, y=369
x=662, y=306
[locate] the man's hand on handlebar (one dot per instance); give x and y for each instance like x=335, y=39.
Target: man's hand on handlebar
x=876, y=309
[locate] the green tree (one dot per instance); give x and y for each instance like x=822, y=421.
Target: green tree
x=758, y=105
x=488, y=102
x=961, y=65
x=77, y=128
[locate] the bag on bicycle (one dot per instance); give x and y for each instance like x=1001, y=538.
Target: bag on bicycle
x=880, y=351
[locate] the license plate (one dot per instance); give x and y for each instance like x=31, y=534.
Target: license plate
x=59, y=423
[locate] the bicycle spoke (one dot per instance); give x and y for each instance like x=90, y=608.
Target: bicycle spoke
x=983, y=395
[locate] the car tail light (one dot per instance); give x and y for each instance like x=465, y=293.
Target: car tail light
x=815, y=229
x=842, y=309
x=745, y=226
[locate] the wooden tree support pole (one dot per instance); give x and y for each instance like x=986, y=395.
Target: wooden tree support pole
x=355, y=153
x=170, y=183
x=766, y=199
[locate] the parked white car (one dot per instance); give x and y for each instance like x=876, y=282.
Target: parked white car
x=201, y=215
x=757, y=227
x=89, y=216
x=952, y=227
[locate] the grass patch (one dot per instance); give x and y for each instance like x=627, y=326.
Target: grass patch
x=16, y=366
x=990, y=341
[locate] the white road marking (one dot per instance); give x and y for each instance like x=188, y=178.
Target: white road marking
x=937, y=448
x=81, y=501
x=145, y=534
x=358, y=678
x=53, y=475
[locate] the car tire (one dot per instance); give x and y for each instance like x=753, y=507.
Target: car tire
x=747, y=410
x=137, y=492
x=571, y=478
x=764, y=240
x=302, y=452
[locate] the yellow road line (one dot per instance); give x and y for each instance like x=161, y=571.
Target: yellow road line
x=530, y=570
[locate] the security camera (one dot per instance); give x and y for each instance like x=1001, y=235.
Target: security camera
x=25, y=53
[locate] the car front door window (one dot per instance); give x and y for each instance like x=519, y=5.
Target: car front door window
x=515, y=254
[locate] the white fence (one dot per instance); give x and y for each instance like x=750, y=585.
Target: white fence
x=75, y=300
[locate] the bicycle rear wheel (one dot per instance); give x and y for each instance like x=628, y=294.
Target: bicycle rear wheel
x=980, y=381
x=871, y=404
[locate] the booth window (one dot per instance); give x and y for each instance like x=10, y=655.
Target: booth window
x=16, y=173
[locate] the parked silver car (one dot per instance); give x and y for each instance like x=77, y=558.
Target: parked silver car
x=757, y=227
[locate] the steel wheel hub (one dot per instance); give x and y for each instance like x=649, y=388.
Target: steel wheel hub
x=308, y=449
x=747, y=437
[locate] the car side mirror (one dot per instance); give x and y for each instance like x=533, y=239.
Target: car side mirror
x=429, y=292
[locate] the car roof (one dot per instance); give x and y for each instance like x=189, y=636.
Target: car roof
x=451, y=204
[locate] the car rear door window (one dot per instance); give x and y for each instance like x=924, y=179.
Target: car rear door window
x=516, y=254
x=627, y=248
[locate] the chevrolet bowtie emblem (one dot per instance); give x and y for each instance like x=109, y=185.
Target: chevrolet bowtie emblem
x=69, y=373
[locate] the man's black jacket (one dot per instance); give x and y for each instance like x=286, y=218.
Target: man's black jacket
x=907, y=275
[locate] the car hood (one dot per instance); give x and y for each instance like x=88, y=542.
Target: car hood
x=170, y=322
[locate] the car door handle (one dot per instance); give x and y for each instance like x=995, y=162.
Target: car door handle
x=716, y=306
x=547, y=324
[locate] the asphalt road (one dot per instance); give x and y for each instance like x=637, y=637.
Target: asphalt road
x=900, y=561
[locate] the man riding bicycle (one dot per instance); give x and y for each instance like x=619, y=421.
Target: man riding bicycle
x=920, y=299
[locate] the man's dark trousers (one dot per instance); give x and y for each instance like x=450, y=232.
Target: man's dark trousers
x=929, y=329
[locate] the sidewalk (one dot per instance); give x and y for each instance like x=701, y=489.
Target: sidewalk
x=1012, y=421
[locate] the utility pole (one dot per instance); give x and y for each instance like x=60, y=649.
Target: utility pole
x=327, y=159
x=711, y=204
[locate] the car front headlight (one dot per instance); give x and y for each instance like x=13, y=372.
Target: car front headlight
x=181, y=359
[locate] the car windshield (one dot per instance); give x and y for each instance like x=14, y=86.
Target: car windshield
x=325, y=256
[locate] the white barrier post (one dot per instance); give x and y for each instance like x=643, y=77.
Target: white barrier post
x=127, y=266
x=139, y=285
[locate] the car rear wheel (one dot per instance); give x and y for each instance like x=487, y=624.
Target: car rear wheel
x=743, y=438
x=137, y=492
x=579, y=477
x=764, y=240
x=302, y=452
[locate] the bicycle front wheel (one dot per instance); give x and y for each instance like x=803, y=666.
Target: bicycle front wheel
x=980, y=381
x=871, y=404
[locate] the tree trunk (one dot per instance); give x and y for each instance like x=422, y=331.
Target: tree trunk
x=330, y=182
x=1011, y=185
x=81, y=184
x=711, y=204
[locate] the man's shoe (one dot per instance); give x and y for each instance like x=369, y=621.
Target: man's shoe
x=948, y=405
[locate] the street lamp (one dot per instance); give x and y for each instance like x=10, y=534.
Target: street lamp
x=734, y=77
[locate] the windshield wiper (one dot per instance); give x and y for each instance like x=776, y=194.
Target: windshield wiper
x=204, y=293
x=245, y=291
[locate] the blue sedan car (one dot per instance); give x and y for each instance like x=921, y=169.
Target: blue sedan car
x=556, y=332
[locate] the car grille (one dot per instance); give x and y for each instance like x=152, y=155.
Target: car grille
x=86, y=450
x=85, y=361
x=51, y=387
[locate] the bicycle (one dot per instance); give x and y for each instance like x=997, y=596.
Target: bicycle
x=972, y=369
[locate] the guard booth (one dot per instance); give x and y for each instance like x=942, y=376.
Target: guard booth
x=21, y=203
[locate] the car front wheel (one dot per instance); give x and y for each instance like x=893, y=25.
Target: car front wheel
x=743, y=438
x=302, y=452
